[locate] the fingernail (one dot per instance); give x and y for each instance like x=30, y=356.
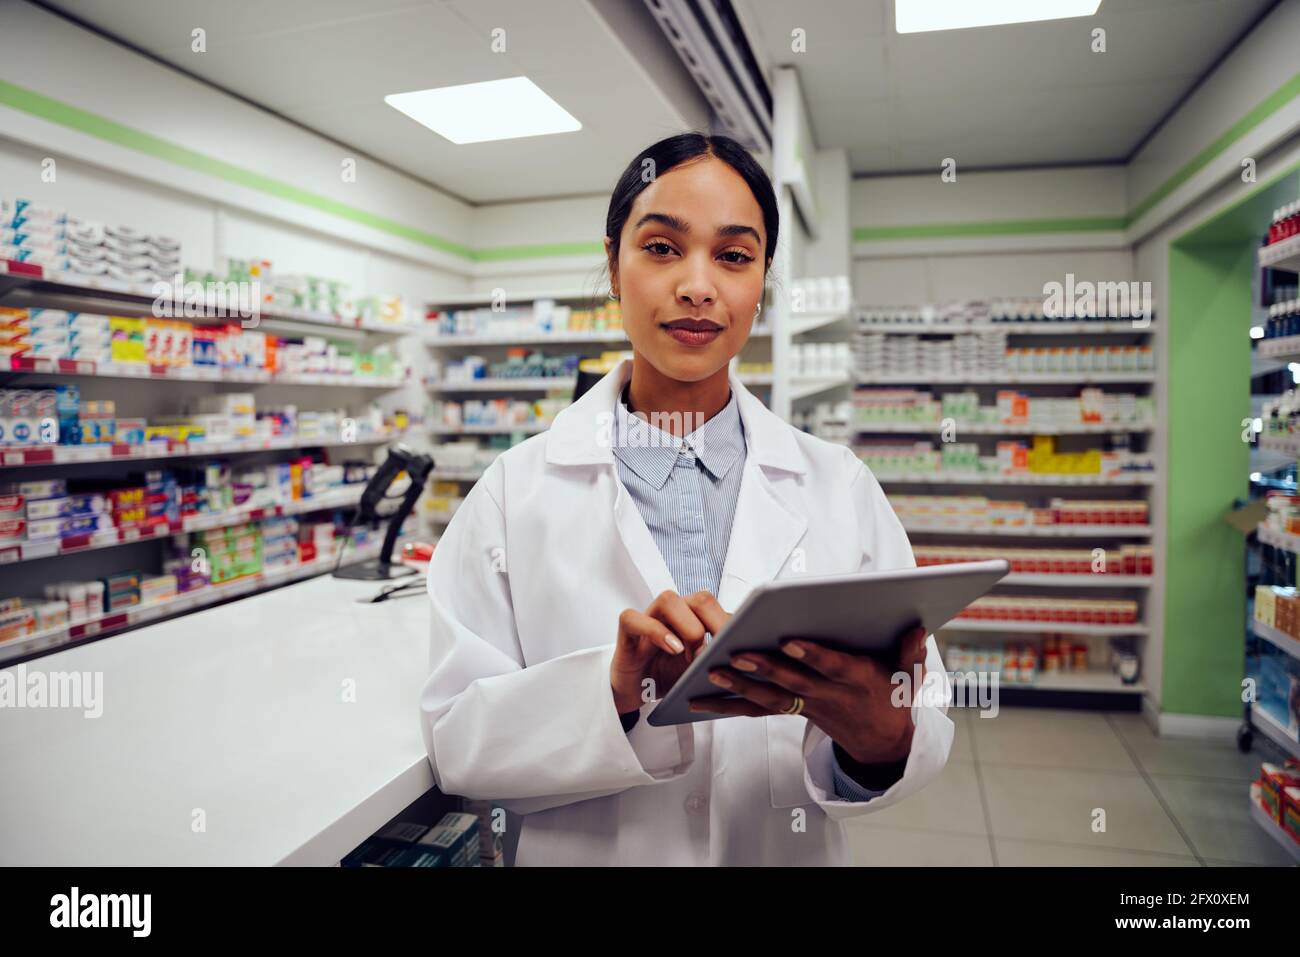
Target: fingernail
x=744, y=664
x=793, y=650
x=719, y=679
x=675, y=644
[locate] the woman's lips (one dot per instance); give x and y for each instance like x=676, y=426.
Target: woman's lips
x=693, y=337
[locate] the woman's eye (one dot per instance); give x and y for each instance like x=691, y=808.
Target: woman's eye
x=744, y=256
x=656, y=247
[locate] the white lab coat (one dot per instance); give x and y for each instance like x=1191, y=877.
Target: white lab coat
x=526, y=586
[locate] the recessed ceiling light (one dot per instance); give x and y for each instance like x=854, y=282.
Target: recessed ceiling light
x=919, y=16
x=492, y=110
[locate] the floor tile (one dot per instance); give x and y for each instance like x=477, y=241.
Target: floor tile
x=1046, y=738
x=902, y=847
x=1040, y=804
x=1185, y=756
x=1216, y=818
x=1015, y=853
x=951, y=802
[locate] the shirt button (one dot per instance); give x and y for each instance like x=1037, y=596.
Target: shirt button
x=696, y=803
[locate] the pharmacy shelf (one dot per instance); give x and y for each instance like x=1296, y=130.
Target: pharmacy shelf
x=1047, y=531
x=108, y=538
x=1082, y=681
x=1271, y=536
x=1005, y=378
x=1281, y=445
x=1077, y=581
x=523, y=339
x=25, y=284
x=1279, y=639
x=49, y=455
x=939, y=478
x=1273, y=829
x=805, y=387
x=488, y=429
x=1283, y=255
x=1282, y=349
x=140, y=370
x=1045, y=327
x=1274, y=730
x=441, y=518
x=121, y=619
x=543, y=384
x=1041, y=627
x=801, y=322
x=926, y=428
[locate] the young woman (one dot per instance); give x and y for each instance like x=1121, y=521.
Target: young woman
x=589, y=564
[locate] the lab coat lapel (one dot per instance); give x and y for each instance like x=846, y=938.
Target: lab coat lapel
x=640, y=544
x=764, y=532
x=765, y=528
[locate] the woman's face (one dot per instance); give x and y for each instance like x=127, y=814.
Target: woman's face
x=690, y=268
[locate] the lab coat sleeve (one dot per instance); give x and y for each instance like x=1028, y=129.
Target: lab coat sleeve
x=528, y=738
x=885, y=546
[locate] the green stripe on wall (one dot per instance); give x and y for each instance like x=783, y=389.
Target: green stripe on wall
x=1008, y=227
x=1280, y=98
x=1276, y=101
x=83, y=121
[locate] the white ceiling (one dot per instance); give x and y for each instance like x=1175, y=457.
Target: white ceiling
x=1024, y=95
x=327, y=64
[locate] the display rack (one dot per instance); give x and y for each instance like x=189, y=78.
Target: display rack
x=23, y=286
x=1094, y=687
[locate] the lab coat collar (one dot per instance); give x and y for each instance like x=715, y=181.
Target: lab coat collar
x=768, y=523
x=652, y=453
x=582, y=434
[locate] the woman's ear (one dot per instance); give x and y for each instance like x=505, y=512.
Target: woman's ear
x=612, y=264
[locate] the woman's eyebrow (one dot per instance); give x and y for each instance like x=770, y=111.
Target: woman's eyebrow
x=681, y=226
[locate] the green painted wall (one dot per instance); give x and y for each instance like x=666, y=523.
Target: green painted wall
x=1208, y=465
x=1211, y=273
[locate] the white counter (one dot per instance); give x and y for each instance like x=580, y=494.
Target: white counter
x=238, y=711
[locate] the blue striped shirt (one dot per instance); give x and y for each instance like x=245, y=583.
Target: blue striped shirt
x=686, y=491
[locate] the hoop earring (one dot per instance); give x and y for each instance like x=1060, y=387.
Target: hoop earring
x=612, y=296
x=758, y=309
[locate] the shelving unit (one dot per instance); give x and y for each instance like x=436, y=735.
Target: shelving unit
x=1272, y=453
x=1093, y=688
x=109, y=623
x=52, y=455
x=1274, y=830
x=31, y=551
x=26, y=286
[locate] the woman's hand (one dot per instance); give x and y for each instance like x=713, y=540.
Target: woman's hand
x=659, y=644
x=850, y=697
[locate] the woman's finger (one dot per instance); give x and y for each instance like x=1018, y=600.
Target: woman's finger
x=772, y=697
x=709, y=612
x=786, y=673
x=672, y=609
x=635, y=627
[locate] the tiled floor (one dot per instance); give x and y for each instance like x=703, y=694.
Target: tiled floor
x=1024, y=788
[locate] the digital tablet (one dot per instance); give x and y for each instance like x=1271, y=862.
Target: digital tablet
x=863, y=613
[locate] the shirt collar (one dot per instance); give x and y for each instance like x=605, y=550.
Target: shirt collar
x=651, y=452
